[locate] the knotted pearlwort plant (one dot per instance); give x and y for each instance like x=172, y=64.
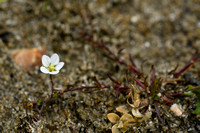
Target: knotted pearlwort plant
x=50, y=66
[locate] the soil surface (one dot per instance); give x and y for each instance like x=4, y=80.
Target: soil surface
x=161, y=33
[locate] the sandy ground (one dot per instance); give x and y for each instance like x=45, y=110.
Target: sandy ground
x=160, y=33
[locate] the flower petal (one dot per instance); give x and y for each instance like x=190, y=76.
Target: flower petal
x=54, y=59
x=54, y=72
x=44, y=70
x=45, y=60
x=59, y=66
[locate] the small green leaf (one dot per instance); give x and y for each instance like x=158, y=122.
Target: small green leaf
x=190, y=87
x=197, y=91
x=40, y=100
x=194, y=89
x=189, y=93
x=197, y=110
x=55, y=95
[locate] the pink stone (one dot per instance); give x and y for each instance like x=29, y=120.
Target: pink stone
x=176, y=110
x=28, y=59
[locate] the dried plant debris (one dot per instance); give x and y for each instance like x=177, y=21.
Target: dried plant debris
x=126, y=121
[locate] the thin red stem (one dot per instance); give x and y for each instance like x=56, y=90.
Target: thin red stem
x=175, y=94
x=45, y=101
x=113, y=80
x=184, y=69
x=157, y=112
x=131, y=60
x=194, y=59
x=134, y=69
x=164, y=98
x=140, y=84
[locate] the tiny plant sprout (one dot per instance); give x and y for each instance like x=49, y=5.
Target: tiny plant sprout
x=51, y=65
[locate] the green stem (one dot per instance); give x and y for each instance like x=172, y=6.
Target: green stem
x=52, y=85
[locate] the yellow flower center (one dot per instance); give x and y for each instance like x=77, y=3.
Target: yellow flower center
x=51, y=68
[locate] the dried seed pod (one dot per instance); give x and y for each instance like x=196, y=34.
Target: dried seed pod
x=135, y=95
x=112, y=117
x=122, y=109
x=143, y=103
x=126, y=121
x=146, y=116
x=126, y=117
x=137, y=102
x=136, y=113
x=131, y=123
x=132, y=105
x=115, y=129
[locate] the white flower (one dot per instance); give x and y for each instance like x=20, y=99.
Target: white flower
x=51, y=65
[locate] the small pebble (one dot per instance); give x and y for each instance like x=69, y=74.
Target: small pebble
x=28, y=59
x=176, y=110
